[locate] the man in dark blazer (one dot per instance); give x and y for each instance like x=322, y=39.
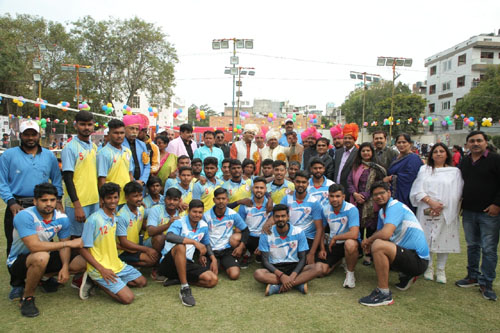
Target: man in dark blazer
x=344, y=157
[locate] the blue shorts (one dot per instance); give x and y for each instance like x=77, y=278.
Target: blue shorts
x=76, y=227
x=127, y=274
x=148, y=242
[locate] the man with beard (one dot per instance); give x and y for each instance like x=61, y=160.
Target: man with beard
x=21, y=169
x=219, y=143
x=383, y=154
x=344, y=157
x=279, y=187
x=246, y=148
x=152, y=148
x=338, y=140
x=273, y=150
x=140, y=156
x=310, y=150
x=184, y=143
x=284, y=256
x=318, y=183
x=295, y=151
x=79, y=166
x=209, y=150
x=283, y=141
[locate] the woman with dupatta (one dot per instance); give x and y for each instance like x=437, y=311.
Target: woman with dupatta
x=403, y=170
x=168, y=162
x=363, y=174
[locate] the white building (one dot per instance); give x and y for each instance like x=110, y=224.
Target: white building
x=453, y=72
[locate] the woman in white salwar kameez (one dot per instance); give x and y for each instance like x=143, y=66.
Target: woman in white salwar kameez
x=436, y=193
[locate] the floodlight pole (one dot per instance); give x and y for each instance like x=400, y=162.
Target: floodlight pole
x=392, y=97
x=234, y=88
x=364, y=104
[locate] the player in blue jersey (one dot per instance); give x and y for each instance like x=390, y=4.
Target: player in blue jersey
x=221, y=221
x=319, y=184
x=255, y=217
x=35, y=253
x=182, y=161
x=154, y=196
x=342, y=218
x=185, y=237
x=204, y=189
x=160, y=217
x=399, y=245
x=284, y=256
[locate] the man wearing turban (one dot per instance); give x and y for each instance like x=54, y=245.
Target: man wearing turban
x=337, y=139
x=246, y=148
x=142, y=165
x=344, y=157
x=273, y=150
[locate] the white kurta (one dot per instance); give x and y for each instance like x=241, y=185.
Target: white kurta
x=444, y=185
x=278, y=153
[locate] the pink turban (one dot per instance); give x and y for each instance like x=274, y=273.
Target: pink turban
x=336, y=131
x=132, y=120
x=311, y=131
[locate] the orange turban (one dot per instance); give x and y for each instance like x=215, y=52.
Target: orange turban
x=351, y=129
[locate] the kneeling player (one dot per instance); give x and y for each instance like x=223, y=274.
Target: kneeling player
x=35, y=254
x=184, y=236
x=284, y=256
x=130, y=221
x=99, y=249
x=343, y=220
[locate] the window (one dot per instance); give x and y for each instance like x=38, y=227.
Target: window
x=445, y=105
x=136, y=102
x=459, y=124
x=461, y=60
x=433, y=70
x=461, y=81
x=446, y=86
x=432, y=89
x=486, y=55
x=446, y=65
x=432, y=107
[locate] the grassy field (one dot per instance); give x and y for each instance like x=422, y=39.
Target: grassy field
x=241, y=306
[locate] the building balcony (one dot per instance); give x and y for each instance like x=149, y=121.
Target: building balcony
x=483, y=63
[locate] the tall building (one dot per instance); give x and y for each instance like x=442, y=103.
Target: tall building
x=452, y=73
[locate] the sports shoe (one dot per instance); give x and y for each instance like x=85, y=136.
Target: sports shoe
x=157, y=277
x=50, y=285
x=86, y=287
x=377, y=298
x=488, y=293
x=77, y=281
x=272, y=289
x=171, y=282
x=440, y=276
x=244, y=262
x=429, y=273
x=467, y=282
x=186, y=297
x=16, y=293
x=28, y=308
x=350, y=280
x=302, y=288
x=258, y=259
x=405, y=282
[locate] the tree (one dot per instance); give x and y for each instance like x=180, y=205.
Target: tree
x=483, y=101
x=406, y=106
x=203, y=122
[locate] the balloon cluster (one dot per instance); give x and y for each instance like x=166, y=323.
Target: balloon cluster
x=486, y=122
x=108, y=108
x=374, y=123
x=238, y=129
x=410, y=120
x=179, y=111
x=41, y=103
x=293, y=117
x=65, y=122
x=126, y=109
x=43, y=122
x=447, y=121
x=469, y=121
x=63, y=105
x=388, y=121
x=271, y=117
x=200, y=114
x=19, y=101
x=153, y=112
x=84, y=106
x=244, y=115
x=313, y=119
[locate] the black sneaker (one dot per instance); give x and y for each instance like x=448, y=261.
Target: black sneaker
x=467, y=282
x=171, y=282
x=377, y=298
x=244, y=262
x=186, y=297
x=405, y=282
x=28, y=308
x=488, y=293
x=50, y=285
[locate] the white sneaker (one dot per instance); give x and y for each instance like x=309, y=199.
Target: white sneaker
x=350, y=280
x=440, y=276
x=429, y=273
x=85, y=287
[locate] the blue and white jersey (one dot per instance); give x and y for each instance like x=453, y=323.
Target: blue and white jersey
x=321, y=193
x=254, y=217
x=170, y=183
x=183, y=228
x=149, y=203
x=340, y=222
x=221, y=229
x=283, y=250
x=408, y=233
x=29, y=222
x=303, y=213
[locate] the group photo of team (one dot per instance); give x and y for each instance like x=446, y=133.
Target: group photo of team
x=146, y=207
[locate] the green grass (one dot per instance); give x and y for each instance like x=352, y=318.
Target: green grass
x=241, y=306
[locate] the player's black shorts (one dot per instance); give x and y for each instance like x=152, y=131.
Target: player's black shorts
x=408, y=262
x=225, y=258
x=18, y=269
x=252, y=244
x=130, y=257
x=287, y=267
x=337, y=253
x=193, y=271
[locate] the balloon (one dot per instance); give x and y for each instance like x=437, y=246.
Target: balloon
x=429, y=118
x=443, y=123
x=289, y=116
x=471, y=118
x=44, y=125
x=150, y=109
x=125, y=107
x=175, y=115
x=109, y=105
x=104, y=108
x=155, y=114
x=202, y=114
x=365, y=124
x=471, y=124
x=447, y=118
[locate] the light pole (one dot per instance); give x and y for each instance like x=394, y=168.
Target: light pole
x=218, y=44
x=78, y=69
x=365, y=77
x=241, y=71
x=393, y=61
